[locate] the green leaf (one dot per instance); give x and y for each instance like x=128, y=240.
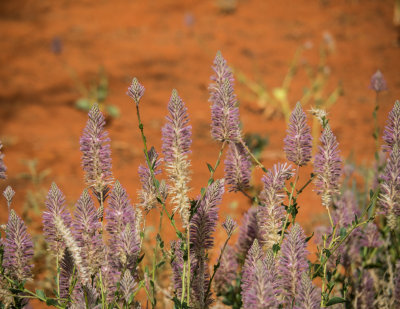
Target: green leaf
x=40, y=294
x=113, y=111
x=83, y=104
x=210, y=168
x=309, y=237
x=51, y=302
x=335, y=300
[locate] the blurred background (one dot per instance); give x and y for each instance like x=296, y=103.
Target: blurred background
x=59, y=57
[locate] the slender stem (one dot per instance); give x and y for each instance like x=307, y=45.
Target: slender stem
x=58, y=276
x=329, y=215
x=289, y=205
x=183, y=283
x=259, y=164
x=305, y=185
x=103, y=298
x=188, y=267
x=376, y=127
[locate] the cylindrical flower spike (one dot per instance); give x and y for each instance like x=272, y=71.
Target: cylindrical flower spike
x=309, y=295
x=293, y=262
x=55, y=208
x=298, y=141
x=66, y=274
x=391, y=135
x=3, y=168
x=8, y=195
x=237, y=168
x=96, y=154
x=224, y=110
x=135, y=91
x=378, y=82
x=226, y=272
x=327, y=167
x=176, y=146
x=248, y=232
x=18, y=249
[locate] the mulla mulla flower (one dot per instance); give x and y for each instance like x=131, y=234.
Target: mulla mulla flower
x=248, y=232
x=298, y=142
x=378, y=82
x=237, y=168
x=18, y=249
x=293, y=262
x=202, y=227
x=391, y=135
x=135, y=90
x=327, y=167
x=226, y=272
x=224, y=110
x=55, y=207
x=309, y=295
x=96, y=155
x=176, y=147
x=3, y=168
x=271, y=213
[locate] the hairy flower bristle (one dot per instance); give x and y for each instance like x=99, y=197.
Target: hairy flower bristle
x=391, y=135
x=135, y=90
x=327, y=167
x=378, y=82
x=248, y=232
x=3, y=168
x=298, y=141
x=176, y=137
x=8, y=194
x=309, y=295
x=237, y=168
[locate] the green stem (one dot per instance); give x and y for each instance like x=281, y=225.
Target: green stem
x=189, y=266
x=259, y=164
x=376, y=127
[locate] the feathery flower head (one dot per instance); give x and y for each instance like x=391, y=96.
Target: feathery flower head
x=8, y=194
x=127, y=285
x=389, y=198
x=135, y=91
x=309, y=295
x=224, y=110
x=237, y=168
x=18, y=249
x=293, y=261
x=346, y=208
x=204, y=221
x=3, y=168
x=148, y=194
x=378, y=82
x=87, y=232
x=370, y=237
x=298, y=141
x=66, y=272
x=248, y=232
x=177, y=266
x=320, y=114
x=327, y=167
x=96, y=153
x=226, y=272
x=366, y=291
x=127, y=248
x=55, y=208
x=177, y=140
x=271, y=213
x=391, y=135
x=229, y=226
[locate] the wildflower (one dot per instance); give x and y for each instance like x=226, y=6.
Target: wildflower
x=259, y=285
x=96, y=154
x=127, y=286
x=298, y=141
x=148, y=193
x=86, y=230
x=366, y=291
x=176, y=147
x=320, y=114
x=224, y=110
x=293, y=262
x=229, y=226
x=327, y=167
x=8, y=194
x=3, y=168
x=370, y=237
x=389, y=198
x=248, y=232
x=226, y=272
x=378, y=82
x=55, y=208
x=177, y=266
x=66, y=272
x=391, y=135
x=309, y=295
x=18, y=249
x=237, y=168
x=271, y=213
x=135, y=91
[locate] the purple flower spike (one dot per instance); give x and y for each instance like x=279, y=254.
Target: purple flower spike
x=309, y=295
x=366, y=291
x=389, y=199
x=378, y=82
x=248, y=232
x=229, y=226
x=271, y=213
x=9, y=195
x=370, y=237
x=135, y=91
x=327, y=167
x=293, y=262
x=66, y=272
x=259, y=284
x=18, y=249
x=87, y=232
x=237, y=168
x=298, y=141
x=148, y=193
x=177, y=266
x=121, y=225
x=55, y=208
x=3, y=168
x=128, y=286
x=224, y=110
x=397, y=285
x=391, y=135
x=96, y=153
x=177, y=140
x=226, y=272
